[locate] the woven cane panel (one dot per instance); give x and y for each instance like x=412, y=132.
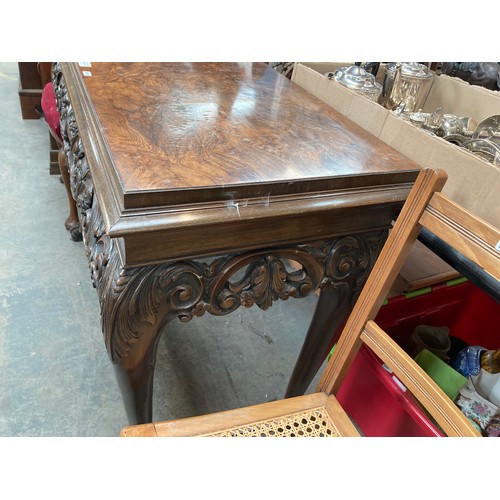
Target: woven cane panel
x=311, y=423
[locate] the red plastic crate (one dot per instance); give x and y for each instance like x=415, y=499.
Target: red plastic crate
x=470, y=314
x=379, y=404
x=374, y=398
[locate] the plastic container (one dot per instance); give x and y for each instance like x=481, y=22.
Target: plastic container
x=379, y=403
x=376, y=400
x=442, y=373
x=470, y=314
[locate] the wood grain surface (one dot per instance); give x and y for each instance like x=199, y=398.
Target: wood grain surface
x=190, y=159
x=219, y=130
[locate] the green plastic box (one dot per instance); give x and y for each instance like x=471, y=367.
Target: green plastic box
x=448, y=379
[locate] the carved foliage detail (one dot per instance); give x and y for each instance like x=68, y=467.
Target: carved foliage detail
x=267, y=277
x=137, y=303
x=262, y=284
x=79, y=172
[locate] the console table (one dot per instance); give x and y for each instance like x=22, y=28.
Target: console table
x=202, y=187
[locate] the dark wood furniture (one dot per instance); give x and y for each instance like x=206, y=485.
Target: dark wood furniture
x=319, y=414
x=33, y=76
x=45, y=74
x=198, y=183
x=30, y=89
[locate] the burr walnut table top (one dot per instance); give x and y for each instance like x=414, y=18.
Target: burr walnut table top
x=215, y=146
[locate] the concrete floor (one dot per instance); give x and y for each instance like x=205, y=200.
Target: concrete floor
x=55, y=376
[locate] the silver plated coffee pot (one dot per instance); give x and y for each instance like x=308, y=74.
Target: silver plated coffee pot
x=407, y=84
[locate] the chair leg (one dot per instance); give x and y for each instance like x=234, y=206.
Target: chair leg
x=72, y=223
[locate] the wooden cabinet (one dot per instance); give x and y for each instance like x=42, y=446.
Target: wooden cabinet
x=30, y=89
x=33, y=76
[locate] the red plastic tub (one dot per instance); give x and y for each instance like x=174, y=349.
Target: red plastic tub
x=470, y=314
x=376, y=400
x=379, y=403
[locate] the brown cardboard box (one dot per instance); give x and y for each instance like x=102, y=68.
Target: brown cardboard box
x=472, y=181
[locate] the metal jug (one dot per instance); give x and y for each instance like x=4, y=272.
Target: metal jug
x=405, y=83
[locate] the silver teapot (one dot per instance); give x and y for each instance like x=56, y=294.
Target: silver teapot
x=405, y=84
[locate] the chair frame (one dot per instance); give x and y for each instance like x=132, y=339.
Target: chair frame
x=424, y=207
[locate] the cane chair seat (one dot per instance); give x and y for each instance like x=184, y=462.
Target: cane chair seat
x=311, y=423
x=313, y=415
x=320, y=414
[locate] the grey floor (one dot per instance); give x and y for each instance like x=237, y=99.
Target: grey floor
x=55, y=376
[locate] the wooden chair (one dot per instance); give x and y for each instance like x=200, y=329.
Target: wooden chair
x=320, y=414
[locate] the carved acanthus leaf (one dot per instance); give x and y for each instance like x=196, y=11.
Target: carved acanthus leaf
x=140, y=301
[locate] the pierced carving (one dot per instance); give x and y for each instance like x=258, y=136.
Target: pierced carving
x=140, y=302
x=262, y=284
x=81, y=184
x=266, y=278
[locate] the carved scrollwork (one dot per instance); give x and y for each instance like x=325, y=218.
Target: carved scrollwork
x=139, y=302
x=59, y=87
x=350, y=260
x=266, y=278
x=81, y=184
x=99, y=246
x=346, y=255
x=81, y=179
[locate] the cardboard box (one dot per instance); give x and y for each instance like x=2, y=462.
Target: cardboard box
x=472, y=182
